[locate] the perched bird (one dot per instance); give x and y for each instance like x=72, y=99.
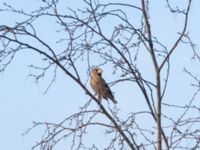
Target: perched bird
x=100, y=86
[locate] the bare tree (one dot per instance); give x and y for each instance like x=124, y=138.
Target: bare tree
x=120, y=35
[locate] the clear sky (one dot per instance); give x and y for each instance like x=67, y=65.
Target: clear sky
x=22, y=101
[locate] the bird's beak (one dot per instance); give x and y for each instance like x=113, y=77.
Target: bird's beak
x=100, y=71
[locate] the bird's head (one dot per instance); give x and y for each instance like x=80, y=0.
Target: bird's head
x=97, y=71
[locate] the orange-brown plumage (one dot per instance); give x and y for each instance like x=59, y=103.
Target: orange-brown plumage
x=99, y=85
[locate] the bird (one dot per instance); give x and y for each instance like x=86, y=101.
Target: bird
x=100, y=86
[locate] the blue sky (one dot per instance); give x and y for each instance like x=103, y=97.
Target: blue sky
x=22, y=101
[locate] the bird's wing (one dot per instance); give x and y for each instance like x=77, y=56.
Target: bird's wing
x=107, y=93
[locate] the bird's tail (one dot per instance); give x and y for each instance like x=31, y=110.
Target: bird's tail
x=114, y=101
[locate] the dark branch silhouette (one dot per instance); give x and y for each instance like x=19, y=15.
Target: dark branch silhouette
x=86, y=35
